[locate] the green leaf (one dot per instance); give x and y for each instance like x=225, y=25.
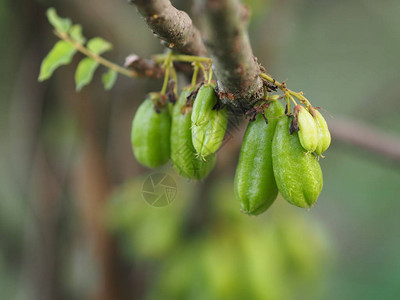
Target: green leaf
x=60, y=55
x=98, y=45
x=84, y=72
x=76, y=34
x=109, y=79
x=60, y=24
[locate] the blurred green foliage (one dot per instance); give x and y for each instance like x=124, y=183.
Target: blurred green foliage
x=277, y=256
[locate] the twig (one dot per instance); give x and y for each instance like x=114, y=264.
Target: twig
x=160, y=58
x=171, y=25
x=98, y=58
x=283, y=88
x=144, y=67
x=365, y=137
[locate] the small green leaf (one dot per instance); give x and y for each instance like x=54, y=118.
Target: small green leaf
x=109, y=79
x=60, y=55
x=84, y=72
x=98, y=45
x=76, y=34
x=60, y=24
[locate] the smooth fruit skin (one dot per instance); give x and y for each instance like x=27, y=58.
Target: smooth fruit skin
x=255, y=186
x=203, y=104
x=323, y=133
x=308, y=131
x=297, y=173
x=151, y=135
x=183, y=154
x=208, y=125
x=207, y=138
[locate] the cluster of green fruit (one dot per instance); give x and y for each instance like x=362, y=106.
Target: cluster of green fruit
x=188, y=131
x=280, y=150
x=279, y=156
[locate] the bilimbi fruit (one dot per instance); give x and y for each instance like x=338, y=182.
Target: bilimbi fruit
x=183, y=154
x=209, y=122
x=308, y=131
x=324, y=136
x=255, y=185
x=151, y=132
x=281, y=156
x=297, y=171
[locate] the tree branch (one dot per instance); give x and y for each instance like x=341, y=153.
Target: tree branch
x=144, y=67
x=365, y=137
x=228, y=43
x=174, y=27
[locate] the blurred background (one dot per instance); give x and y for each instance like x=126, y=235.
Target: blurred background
x=74, y=225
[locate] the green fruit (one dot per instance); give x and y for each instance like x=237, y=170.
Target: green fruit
x=208, y=138
x=208, y=123
x=324, y=135
x=203, y=104
x=297, y=172
x=183, y=153
x=255, y=186
x=151, y=133
x=308, y=131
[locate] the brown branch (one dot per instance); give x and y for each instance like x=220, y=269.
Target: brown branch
x=144, y=67
x=365, y=137
x=174, y=27
x=151, y=69
x=228, y=43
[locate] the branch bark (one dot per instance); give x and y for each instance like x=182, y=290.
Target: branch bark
x=174, y=27
x=228, y=43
